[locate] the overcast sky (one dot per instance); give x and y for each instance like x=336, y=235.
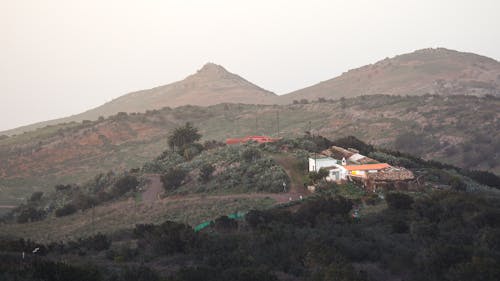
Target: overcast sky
x=61, y=57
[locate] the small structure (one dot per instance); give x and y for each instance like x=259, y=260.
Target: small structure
x=321, y=161
x=258, y=139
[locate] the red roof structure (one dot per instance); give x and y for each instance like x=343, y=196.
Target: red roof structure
x=259, y=139
x=366, y=167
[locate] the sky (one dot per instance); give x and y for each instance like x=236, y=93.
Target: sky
x=62, y=57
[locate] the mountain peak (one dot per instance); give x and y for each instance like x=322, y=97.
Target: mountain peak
x=212, y=68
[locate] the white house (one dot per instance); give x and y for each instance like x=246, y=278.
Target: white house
x=319, y=162
x=335, y=167
x=336, y=173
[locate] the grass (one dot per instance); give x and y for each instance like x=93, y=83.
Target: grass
x=117, y=216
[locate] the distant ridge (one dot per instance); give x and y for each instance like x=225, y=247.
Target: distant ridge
x=434, y=71
x=210, y=85
x=426, y=71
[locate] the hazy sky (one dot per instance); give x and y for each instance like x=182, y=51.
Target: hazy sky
x=62, y=57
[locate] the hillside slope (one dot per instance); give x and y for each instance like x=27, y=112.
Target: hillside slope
x=210, y=85
x=463, y=130
x=434, y=71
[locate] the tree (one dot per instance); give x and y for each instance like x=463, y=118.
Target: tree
x=173, y=178
x=319, y=175
x=182, y=136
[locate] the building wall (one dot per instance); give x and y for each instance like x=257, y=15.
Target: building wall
x=316, y=164
x=338, y=173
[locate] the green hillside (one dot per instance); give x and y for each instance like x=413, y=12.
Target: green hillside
x=460, y=130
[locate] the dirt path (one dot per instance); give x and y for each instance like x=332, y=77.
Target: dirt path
x=7, y=207
x=289, y=164
x=153, y=189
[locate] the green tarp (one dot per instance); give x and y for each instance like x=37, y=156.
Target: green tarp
x=235, y=216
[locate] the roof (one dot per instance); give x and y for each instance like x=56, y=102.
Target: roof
x=334, y=167
x=324, y=158
x=365, y=167
x=356, y=157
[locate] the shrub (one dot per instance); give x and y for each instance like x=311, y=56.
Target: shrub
x=319, y=175
x=62, y=187
x=398, y=201
x=67, y=209
x=98, y=242
x=168, y=238
x=225, y=224
x=30, y=214
x=36, y=196
x=125, y=184
x=206, y=173
x=173, y=178
x=251, y=154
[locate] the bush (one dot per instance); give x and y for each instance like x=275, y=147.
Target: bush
x=206, y=173
x=173, y=178
x=251, y=154
x=98, y=242
x=62, y=187
x=399, y=201
x=36, y=196
x=167, y=238
x=225, y=224
x=66, y=210
x=30, y=214
x=125, y=184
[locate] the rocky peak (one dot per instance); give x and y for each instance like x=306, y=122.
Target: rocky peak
x=212, y=69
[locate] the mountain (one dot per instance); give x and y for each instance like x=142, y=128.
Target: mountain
x=210, y=85
x=434, y=71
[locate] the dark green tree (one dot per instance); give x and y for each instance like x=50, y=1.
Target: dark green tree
x=182, y=136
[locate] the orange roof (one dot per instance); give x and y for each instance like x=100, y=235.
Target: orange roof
x=378, y=166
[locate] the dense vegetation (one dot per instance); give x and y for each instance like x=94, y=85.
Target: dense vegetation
x=423, y=235
x=443, y=236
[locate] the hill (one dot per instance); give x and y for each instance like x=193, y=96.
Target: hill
x=461, y=130
x=341, y=232
x=210, y=85
x=433, y=71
